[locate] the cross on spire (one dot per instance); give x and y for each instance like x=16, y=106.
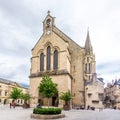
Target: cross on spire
x=48, y=12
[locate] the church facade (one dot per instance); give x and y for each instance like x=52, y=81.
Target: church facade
x=68, y=64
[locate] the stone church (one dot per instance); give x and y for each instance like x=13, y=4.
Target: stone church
x=69, y=65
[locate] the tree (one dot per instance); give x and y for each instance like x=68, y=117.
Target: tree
x=47, y=88
x=16, y=93
x=66, y=96
x=25, y=97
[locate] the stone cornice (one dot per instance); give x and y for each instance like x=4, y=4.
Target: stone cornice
x=54, y=72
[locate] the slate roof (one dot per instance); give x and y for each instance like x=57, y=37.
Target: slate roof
x=9, y=82
x=117, y=82
x=100, y=79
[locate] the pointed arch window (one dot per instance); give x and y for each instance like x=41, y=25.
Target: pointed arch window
x=55, y=65
x=89, y=68
x=41, y=62
x=48, y=57
x=86, y=67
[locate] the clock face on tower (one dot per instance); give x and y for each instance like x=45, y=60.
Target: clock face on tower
x=48, y=22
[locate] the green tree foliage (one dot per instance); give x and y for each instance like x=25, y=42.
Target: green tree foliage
x=47, y=88
x=15, y=94
x=66, y=96
x=25, y=97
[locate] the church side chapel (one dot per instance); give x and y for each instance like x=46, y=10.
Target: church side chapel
x=70, y=66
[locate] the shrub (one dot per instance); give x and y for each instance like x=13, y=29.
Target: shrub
x=47, y=111
x=66, y=97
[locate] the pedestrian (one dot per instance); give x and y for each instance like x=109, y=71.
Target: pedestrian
x=100, y=109
x=88, y=107
x=10, y=105
x=114, y=107
x=14, y=105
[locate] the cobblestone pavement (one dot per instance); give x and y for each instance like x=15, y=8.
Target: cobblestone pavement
x=24, y=114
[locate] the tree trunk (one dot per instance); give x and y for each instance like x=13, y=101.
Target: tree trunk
x=66, y=106
x=66, y=102
x=48, y=102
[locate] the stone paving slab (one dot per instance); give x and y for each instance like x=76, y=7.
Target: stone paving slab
x=24, y=114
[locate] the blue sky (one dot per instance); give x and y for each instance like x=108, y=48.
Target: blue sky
x=21, y=27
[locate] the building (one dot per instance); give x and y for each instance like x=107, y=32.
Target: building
x=6, y=87
x=112, y=94
x=68, y=64
x=95, y=93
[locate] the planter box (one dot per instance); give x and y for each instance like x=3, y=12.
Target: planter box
x=26, y=106
x=66, y=107
x=40, y=116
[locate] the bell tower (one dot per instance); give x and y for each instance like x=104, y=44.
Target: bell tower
x=48, y=24
x=89, y=60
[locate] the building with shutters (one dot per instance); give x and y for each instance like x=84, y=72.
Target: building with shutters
x=112, y=94
x=6, y=87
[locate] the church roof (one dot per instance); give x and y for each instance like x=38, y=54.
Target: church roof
x=59, y=33
x=100, y=80
x=65, y=37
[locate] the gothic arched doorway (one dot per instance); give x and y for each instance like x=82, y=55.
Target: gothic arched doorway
x=5, y=101
x=55, y=100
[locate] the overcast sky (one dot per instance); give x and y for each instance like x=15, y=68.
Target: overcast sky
x=21, y=27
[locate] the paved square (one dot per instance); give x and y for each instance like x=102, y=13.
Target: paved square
x=24, y=114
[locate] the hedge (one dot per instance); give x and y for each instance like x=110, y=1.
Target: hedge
x=47, y=111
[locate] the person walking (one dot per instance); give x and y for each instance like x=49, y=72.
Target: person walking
x=10, y=105
x=14, y=104
x=88, y=107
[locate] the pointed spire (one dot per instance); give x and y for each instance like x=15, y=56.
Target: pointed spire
x=116, y=82
x=88, y=46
